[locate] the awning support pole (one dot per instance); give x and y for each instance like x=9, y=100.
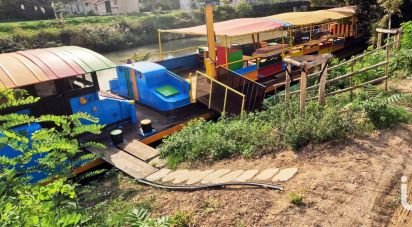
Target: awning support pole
x=160, y=44
x=211, y=40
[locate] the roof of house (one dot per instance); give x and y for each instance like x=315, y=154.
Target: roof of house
x=28, y=67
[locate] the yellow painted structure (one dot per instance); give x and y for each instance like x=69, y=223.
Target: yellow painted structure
x=210, y=62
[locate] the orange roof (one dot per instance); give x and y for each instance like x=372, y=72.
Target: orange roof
x=35, y=66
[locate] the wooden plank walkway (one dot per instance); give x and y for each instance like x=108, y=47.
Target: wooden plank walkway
x=125, y=162
x=139, y=150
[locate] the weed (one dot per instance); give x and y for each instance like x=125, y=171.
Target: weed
x=296, y=198
x=182, y=219
x=210, y=205
x=146, y=203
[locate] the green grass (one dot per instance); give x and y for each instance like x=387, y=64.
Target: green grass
x=100, y=33
x=274, y=128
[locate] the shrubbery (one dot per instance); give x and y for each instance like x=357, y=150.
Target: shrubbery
x=276, y=128
x=109, y=33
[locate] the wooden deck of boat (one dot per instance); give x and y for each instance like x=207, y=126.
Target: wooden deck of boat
x=134, y=154
x=125, y=161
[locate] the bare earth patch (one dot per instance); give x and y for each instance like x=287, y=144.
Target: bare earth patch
x=344, y=183
x=355, y=182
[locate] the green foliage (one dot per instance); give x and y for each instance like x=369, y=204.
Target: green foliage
x=319, y=124
x=213, y=141
x=182, y=219
x=296, y=198
x=278, y=127
x=380, y=108
x=244, y=10
x=36, y=205
x=141, y=218
x=110, y=33
x=406, y=41
x=401, y=63
x=51, y=204
x=8, y=98
x=136, y=57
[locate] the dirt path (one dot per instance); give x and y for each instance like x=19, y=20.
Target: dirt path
x=351, y=183
x=346, y=183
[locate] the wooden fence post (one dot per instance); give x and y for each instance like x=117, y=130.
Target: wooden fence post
x=398, y=41
x=287, y=83
x=351, y=79
x=303, y=86
x=322, y=83
x=379, y=42
x=387, y=67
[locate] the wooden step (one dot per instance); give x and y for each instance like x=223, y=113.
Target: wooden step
x=139, y=150
x=125, y=162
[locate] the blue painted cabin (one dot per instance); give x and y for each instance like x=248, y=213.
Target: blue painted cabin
x=156, y=86
x=66, y=81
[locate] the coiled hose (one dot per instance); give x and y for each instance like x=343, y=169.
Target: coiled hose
x=210, y=186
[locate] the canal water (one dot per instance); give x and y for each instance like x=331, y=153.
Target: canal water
x=120, y=57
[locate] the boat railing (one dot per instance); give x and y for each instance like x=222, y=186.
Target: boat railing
x=217, y=95
x=254, y=92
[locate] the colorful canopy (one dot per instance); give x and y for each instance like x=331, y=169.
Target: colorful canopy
x=314, y=17
x=246, y=26
x=35, y=66
x=235, y=27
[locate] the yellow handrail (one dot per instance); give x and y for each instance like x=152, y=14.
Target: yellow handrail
x=226, y=90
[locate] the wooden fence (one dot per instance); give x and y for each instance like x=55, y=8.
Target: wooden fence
x=323, y=80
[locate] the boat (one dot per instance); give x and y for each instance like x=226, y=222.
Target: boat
x=255, y=47
x=151, y=100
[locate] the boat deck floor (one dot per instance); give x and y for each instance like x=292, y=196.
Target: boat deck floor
x=134, y=154
x=161, y=122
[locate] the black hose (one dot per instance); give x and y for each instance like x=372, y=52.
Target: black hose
x=202, y=187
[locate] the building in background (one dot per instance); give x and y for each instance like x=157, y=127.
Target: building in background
x=103, y=7
x=186, y=4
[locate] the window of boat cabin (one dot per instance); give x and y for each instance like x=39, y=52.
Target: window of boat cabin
x=45, y=89
x=79, y=82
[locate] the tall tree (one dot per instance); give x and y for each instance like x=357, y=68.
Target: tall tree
x=391, y=7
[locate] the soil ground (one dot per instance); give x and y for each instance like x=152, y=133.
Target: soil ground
x=344, y=183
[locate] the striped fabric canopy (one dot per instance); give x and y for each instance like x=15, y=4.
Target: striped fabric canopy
x=314, y=17
x=233, y=28
x=39, y=65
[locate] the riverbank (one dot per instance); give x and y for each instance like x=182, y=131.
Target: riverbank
x=113, y=33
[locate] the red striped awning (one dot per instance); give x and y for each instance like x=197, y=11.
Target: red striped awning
x=35, y=66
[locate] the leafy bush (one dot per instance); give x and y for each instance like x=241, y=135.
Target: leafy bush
x=381, y=109
x=277, y=127
x=244, y=10
x=52, y=204
x=319, y=123
x=406, y=41
x=141, y=217
x=401, y=63
x=35, y=205
x=139, y=29
x=214, y=141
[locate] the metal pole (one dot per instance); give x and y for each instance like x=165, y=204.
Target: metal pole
x=160, y=44
x=226, y=53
